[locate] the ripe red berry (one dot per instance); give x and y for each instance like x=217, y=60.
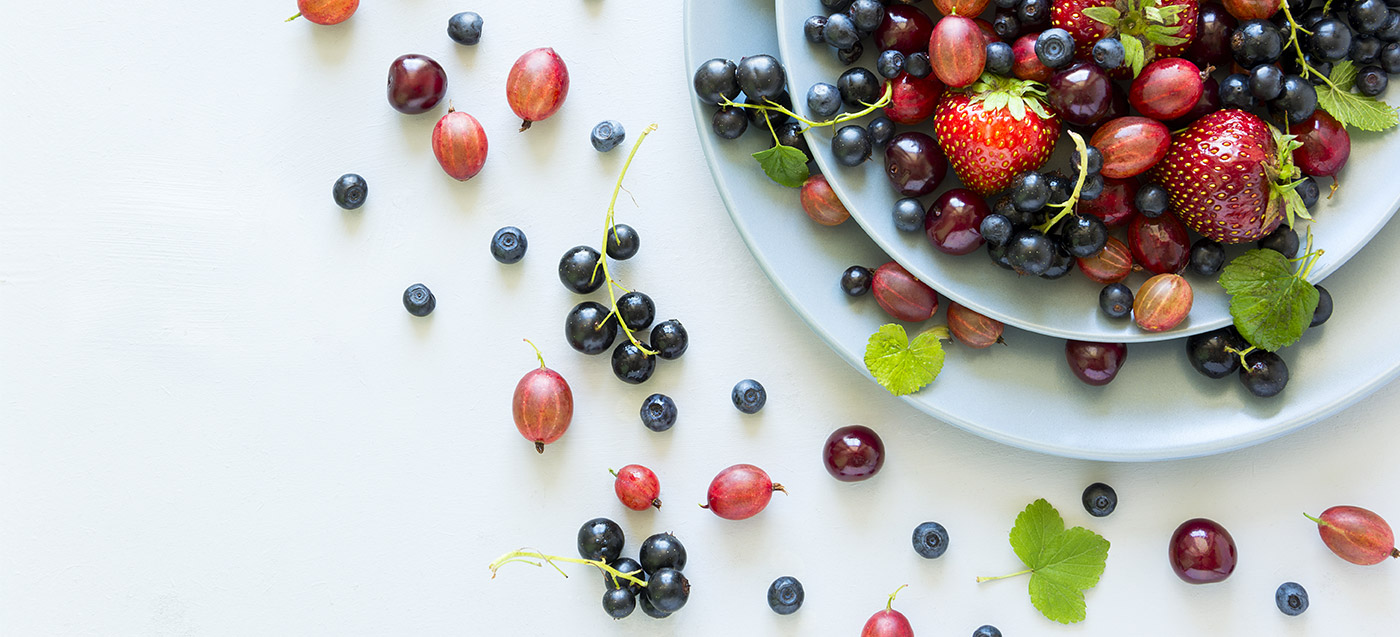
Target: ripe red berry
x=740, y=492
x=637, y=487
x=537, y=85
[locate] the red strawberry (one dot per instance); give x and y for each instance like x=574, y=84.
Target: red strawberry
x=995, y=130
x=1161, y=28
x=1223, y=177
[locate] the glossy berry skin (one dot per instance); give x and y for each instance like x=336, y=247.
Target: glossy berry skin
x=418, y=300
x=416, y=84
x=813, y=27
x=1099, y=499
x=508, y=245
x=669, y=339
x=1208, y=102
x=716, y=81
x=905, y=28
x=637, y=488
x=648, y=609
x=1284, y=241
x=1000, y=58
x=1208, y=354
x=729, y=122
x=1202, y=552
x=658, y=412
x=349, y=191
x=619, y=603
x=589, y=328
x=1109, y=54
x=460, y=145
x=600, y=539
x=662, y=550
x=785, y=595
x=632, y=365
x=887, y=623
x=930, y=540
x=957, y=50
x=579, y=271
x=1131, y=145
x=1326, y=145
x=1162, y=302
x=858, y=87
x=954, y=221
x=1026, y=65
x=852, y=145
x=1207, y=257
x=667, y=589
x=989, y=147
x=867, y=14
x=1111, y=265
x=1151, y=200
x=536, y=86
x=820, y=202
x=1258, y=42
x=972, y=329
x=1298, y=98
x=881, y=130
x=913, y=99
x=856, y=280
x=1081, y=94
x=1235, y=92
x=986, y=631
x=1054, y=48
x=1115, y=205
x=824, y=100
x=918, y=65
x=1357, y=535
x=890, y=64
x=1159, y=245
x=622, y=242
x=542, y=406
x=996, y=229
x=909, y=215
x=1291, y=599
x=1116, y=300
x=1324, y=307
x=1166, y=89
x=327, y=12
x=636, y=309
x=607, y=135
x=1212, y=42
x=1095, y=364
x=853, y=453
x=1265, y=82
x=740, y=492
x=914, y=164
x=625, y=565
x=748, y=396
x=1082, y=235
x=465, y=28
x=840, y=31
x=901, y=295
x=761, y=77
x=1030, y=252
x=1264, y=374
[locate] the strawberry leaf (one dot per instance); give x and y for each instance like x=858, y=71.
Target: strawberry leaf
x=899, y=365
x=1169, y=13
x=1017, y=107
x=1133, y=53
x=1271, y=305
x=1165, y=36
x=784, y=164
x=1106, y=15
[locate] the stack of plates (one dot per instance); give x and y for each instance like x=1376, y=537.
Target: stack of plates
x=1023, y=394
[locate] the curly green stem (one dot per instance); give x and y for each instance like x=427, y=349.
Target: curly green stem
x=1294, y=28
x=612, y=285
x=1067, y=207
x=538, y=354
x=884, y=101
x=534, y=558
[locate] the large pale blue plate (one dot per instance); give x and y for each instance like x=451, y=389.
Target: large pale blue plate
x=1067, y=307
x=1023, y=394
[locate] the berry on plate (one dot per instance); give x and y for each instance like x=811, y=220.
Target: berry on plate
x=996, y=130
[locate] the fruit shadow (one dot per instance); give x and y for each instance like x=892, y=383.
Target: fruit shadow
x=466, y=55
x=464, y=194
x=332, y=43
x=542, y=138
x=422, y=326
x=352, y=219
x=417, y=130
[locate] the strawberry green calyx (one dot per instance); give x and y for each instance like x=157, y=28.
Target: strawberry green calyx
x=1140, y=24
x=994, y=92
x=1284, y=178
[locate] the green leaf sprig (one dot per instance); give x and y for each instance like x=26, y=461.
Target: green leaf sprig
x=1062, y=563
x=903, y=366
x=1334, y=94
x=1271, y=304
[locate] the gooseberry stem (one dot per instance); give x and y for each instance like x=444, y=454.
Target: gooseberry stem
x=534, y=558
x=611, y=227
x=538, y=354
x=889, y=605
x=298, y=15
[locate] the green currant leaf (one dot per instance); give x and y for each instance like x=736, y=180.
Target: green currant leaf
x=1356, y=111
x=1271, y=305
x=784, y=164
x=1106, y=15
x=1344, y=75
x=901, y=366
x=1063, y=563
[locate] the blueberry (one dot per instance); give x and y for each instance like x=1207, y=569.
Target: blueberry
x=881, y=130
x=918, y=64
x=748, y=396
x=1371, y=81
x=619, y=602
x=624, y=565
x=669, y=339
x=996, y=229
x=849, y=55
x=632, y=365
x=1390, y=57
x=1116, y=300
x=508, y=245
x=813, y=28
x=1323, y=311
x=465, y=28
x=1109, y=54
x=1308, y=191
x=660, y=551
x=1264, y=374
x=785, y=595
x=1030, y=191
x=930, y=540
x=909, y=215
x=824, y=100
x=607, y=135
x=1291, y=598
x=729, y=122
x=1032, y=13
x=840, y=31
x=349, y=191
x=859, y=87
x=856, y=280
x=1283, y=240
x=986, y=631
x=600, y=539
x=667, y=590
x=868, y=14
x=1210, y=353
x=579, y=271
x=1207, y=257
x=419, y=300
x=659, y=412
x=1258, y=42
x=761, y=77
x=1099, y=499
x=1235, y=93
x=589, y=328
x=851, y=145
x=891, y=63
x=622, y=242
x=1265, y=82
x=1000, y=58
x=636, y=309
x=1054, y=47
x=1006, y=25
x=716, y=80
x=1151, y=200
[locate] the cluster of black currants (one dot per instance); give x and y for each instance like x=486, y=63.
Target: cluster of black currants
x=659, y=563
x=1015, y=17
x=844, y=28
x=1022, y=232
x=1220, y=353
x=763, y=81
x=591, y=327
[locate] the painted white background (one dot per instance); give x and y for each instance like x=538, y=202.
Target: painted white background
x=217, y=419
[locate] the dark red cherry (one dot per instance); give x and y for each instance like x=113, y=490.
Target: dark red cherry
x=1116, y=204
x=1095, y=363
x=913, y=99
x=1326, y=144
x=853, y=453
x=915, y=164
x=1159, y=244
x=954, y=221
x=1202, y=552
x=1081, y=93
x=1212, y=42
x=905, y=29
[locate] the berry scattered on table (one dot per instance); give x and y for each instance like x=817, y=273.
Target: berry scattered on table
x=749, y=396
x=659, y=412
x=536, y=86
x=1291, y=598
x=465, y=28
x=607, y=135
x=543, y=405
x=419, y=300
x=785, y=595
x=349, y=191
x=1099, y=499
x=1202, y=552
x=930, y=540
x=416, y=84
x=508, y=245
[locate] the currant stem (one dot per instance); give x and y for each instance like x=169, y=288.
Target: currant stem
x=1067, y=208
x=1010, y=575
x=1294, y=28
x=530, y=557
x=1241, y=353
x=843, y=117
x=612, y=284
x=537, y=353
x=890, y=604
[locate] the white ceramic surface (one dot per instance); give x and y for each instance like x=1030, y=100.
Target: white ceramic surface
x=1157, y=408
x=1066, y=307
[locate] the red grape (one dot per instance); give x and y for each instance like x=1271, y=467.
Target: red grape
x=853, y=453
x=1159, y=244
x=913, y=99
x=1326, y=144
x=906, y=29
x=954, y=221
x=1081, y=93
x=1116, y=205
x=915, y=164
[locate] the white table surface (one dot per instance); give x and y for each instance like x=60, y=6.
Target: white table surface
x=217, y=419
